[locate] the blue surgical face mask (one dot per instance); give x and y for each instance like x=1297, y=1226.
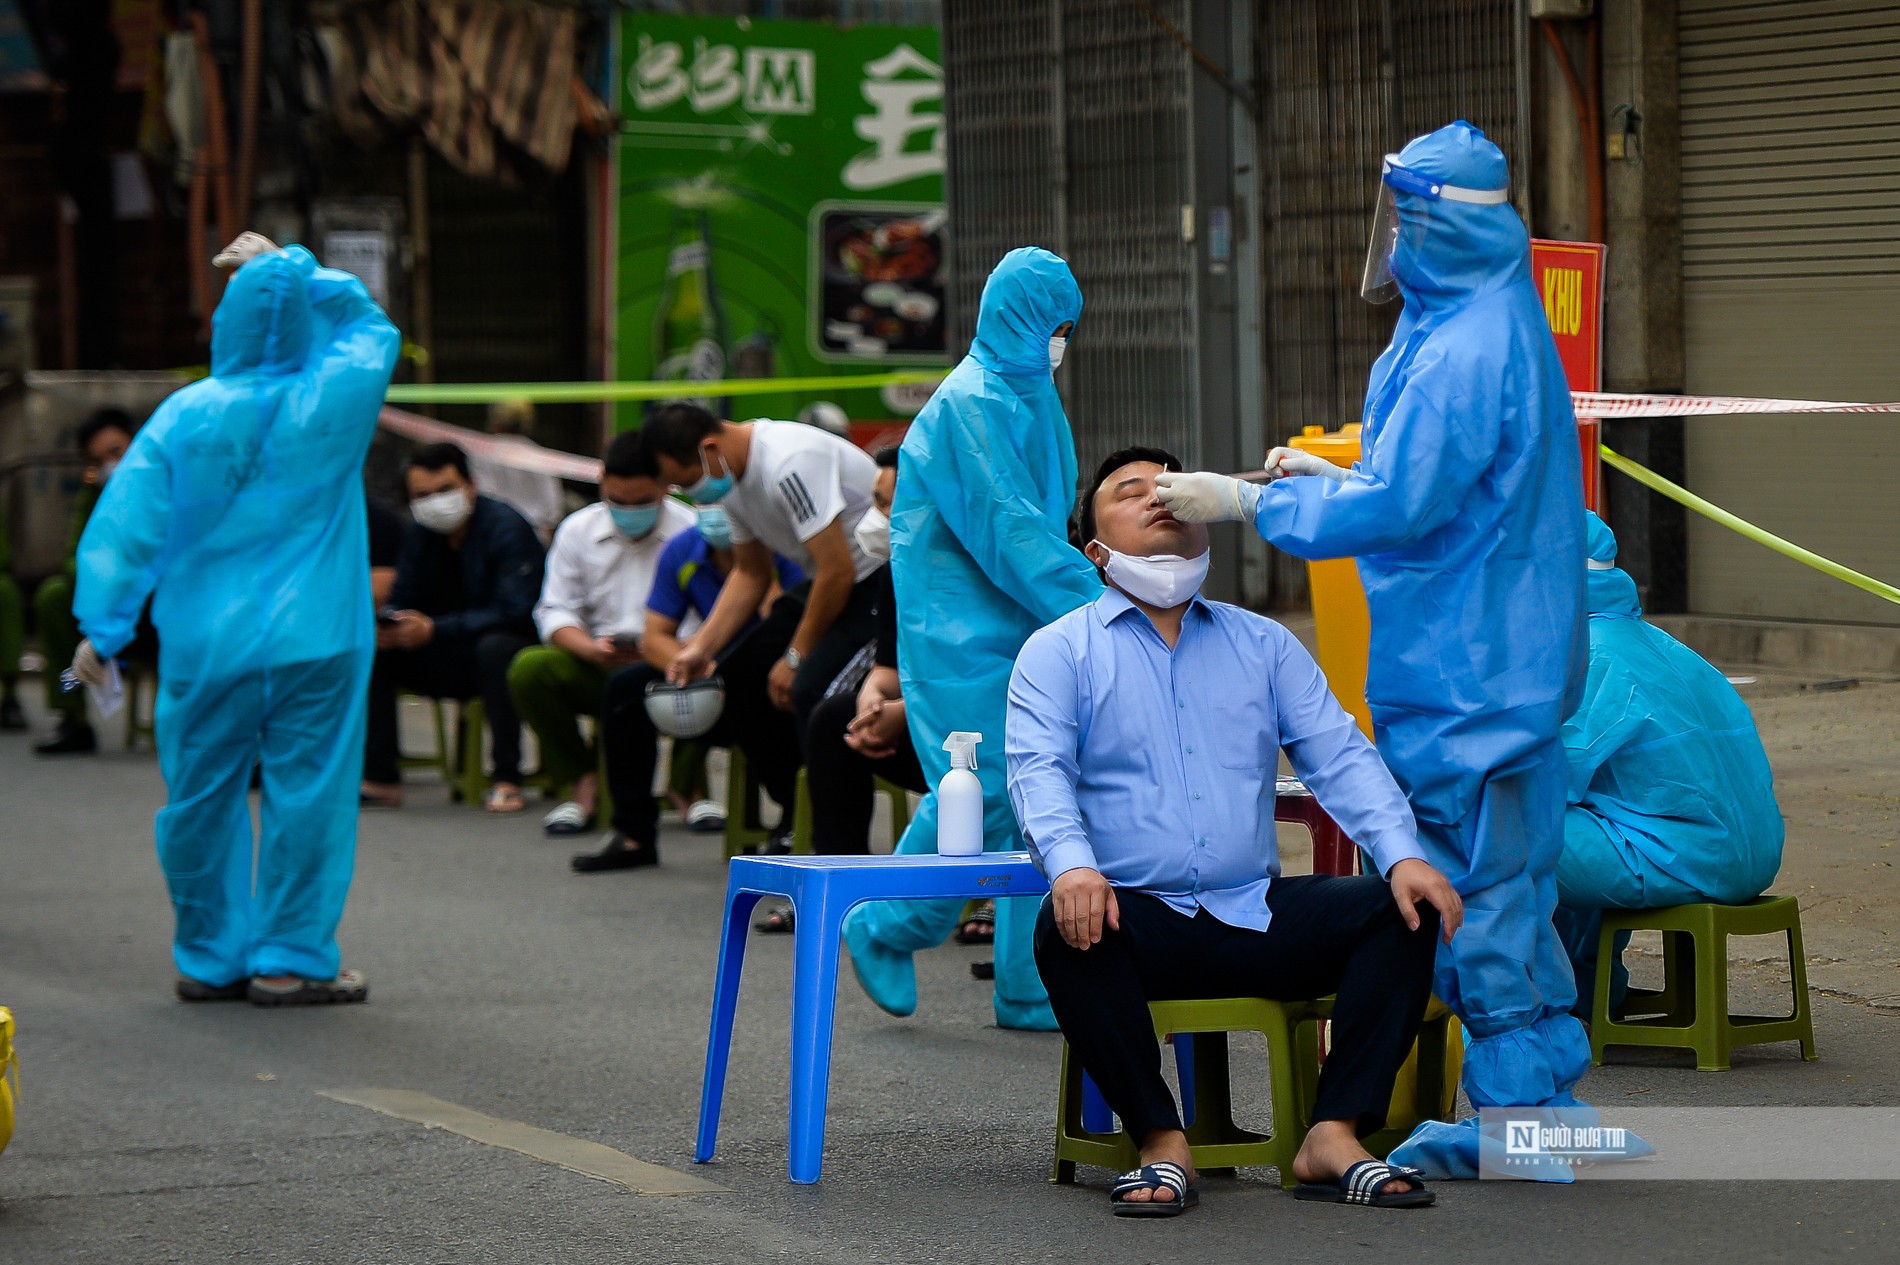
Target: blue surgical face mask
x=715, y=527
x=708, y=490
x=634, y=521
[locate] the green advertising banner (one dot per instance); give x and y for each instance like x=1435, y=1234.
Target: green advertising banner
x=781, y=208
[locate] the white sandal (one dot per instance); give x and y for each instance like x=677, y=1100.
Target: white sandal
x=567, y=819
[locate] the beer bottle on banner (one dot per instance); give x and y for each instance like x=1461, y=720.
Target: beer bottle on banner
x=689, y=330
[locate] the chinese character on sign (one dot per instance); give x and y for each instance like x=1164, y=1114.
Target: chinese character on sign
x=896, y=85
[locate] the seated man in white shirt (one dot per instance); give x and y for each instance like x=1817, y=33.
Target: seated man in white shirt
x=591, y=615
x=791, y=490
x=1143, y=738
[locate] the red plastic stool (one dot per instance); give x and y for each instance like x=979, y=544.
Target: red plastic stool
x=1333, y=852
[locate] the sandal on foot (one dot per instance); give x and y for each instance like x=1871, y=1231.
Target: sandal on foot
x=503, y=798
x=1161, y=1175
x=979, y=927
x=567, y=819
x=348, y=986
x=1364, y=1184
x=189, y=989
x=779, y=920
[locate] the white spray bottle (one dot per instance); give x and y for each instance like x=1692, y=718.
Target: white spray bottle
x=960, y=800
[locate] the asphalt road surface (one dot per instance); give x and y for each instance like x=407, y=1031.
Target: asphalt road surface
x=509, y=991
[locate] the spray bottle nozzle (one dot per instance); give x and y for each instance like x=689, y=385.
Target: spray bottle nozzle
x=962, y=749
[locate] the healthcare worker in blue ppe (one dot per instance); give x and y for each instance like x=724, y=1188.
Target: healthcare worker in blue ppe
x=1466, y=516
x=980, y=558
x=1670, y=800
x=239, y=510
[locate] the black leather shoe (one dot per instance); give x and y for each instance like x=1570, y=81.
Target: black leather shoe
x=616, y=855
x=73, y=737
x=11, y=717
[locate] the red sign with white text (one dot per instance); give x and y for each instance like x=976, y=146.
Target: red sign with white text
x=1569, y=278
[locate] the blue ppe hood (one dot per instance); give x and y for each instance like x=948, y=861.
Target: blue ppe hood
x=263, y=324
x=1449, y=252
x=1598, y=539
x=1029, y=294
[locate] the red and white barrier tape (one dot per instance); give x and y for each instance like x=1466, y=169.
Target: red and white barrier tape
x=501, y=449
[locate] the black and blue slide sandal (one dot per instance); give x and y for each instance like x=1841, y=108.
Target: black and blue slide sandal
x=1162, y=1174
x=1364, y=1184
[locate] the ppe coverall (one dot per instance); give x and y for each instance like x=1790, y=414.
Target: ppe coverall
x=239, y=508
x=1671, y=800
x=980, y=559
x=1466, y=516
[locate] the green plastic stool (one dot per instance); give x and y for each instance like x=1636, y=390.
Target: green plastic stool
x=1690, y=1011
x=441, y=760
x=1217, y=1143
x=743, y=826
x=801, y=815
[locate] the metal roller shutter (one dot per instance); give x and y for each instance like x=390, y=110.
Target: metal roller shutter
x=1790, y=257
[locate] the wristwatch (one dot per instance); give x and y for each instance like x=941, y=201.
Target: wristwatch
x=793, y=657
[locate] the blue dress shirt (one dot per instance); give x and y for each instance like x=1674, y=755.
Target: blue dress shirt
x=1157, y=767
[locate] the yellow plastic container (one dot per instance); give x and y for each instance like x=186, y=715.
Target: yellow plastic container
x=9, y=1077
x=1340, y=622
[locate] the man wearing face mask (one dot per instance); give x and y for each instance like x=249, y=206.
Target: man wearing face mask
x=980, y=559
x=694, y=571
x=102, y=439
x=1466, y=517
x=788, y=489
x=462, y=607
x=591, y=616
x=1144, y=734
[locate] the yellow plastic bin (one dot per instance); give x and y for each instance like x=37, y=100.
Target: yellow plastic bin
x=1340, y=622
x=1344, y=631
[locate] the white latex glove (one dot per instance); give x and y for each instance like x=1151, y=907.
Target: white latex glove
x=1282, y=462
x=88, y=667
x=244, y=247
x=1206, y=498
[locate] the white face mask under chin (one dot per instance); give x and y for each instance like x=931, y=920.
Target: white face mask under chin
x=1056, y=347
x=1164, y=580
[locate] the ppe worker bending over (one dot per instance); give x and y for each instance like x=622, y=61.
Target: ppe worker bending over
x=980, y=559
x=1671, y=800
x=239, y=508
x=1466, y=516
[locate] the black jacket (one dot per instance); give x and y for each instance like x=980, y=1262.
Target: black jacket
x=489, y=585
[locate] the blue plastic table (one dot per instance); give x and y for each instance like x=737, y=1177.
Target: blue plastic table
x=822, y=891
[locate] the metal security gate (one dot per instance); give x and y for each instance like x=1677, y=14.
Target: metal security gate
x=1790, y=257
x=1346, y=82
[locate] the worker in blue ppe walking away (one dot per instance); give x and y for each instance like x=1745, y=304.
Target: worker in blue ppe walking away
x=1466, y=517
x=980, y=559
x=1671, y=799
x=239, y=509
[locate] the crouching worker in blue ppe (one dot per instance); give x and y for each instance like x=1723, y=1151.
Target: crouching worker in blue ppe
x=1466, y=517
x=980, y=559
x=239, y=509
x=1671, y=800
x=1144, y=735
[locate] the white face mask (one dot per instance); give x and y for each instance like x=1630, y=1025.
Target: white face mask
x=443, y=511
x=1164, y=580
x=874, y=534
x=1056, y=347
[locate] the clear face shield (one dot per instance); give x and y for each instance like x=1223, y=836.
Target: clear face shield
x=1376, y=283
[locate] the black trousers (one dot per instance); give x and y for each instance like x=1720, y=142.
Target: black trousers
x=1327, y=935
x=843, y=794
x=446, y=669
x=767, y=735
x=856, y=626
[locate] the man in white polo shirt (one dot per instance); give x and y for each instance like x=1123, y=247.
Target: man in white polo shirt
x=591, y=614
x=788, y=489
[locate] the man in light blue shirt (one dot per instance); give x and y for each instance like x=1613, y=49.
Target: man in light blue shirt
x=1143, y=740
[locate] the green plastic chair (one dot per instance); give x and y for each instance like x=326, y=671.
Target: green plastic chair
x=1691, y=1010
x=743, y=826
x=801, y=814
